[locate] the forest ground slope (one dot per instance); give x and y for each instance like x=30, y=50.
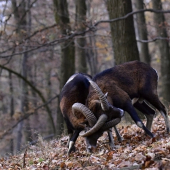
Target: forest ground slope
x=137, y=151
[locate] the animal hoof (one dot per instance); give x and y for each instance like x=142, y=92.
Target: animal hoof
x=112, y=147
x=120, y=139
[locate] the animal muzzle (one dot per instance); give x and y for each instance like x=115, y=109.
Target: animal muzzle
x=101, y=121
x=93, y=122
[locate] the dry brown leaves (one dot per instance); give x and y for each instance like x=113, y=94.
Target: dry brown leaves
x=137, y=151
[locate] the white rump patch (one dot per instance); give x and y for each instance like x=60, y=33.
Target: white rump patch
x=134, y=100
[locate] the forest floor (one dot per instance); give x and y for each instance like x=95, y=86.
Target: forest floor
x=137, y=151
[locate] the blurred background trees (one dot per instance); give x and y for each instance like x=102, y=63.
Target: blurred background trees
x=44, y=42
x=122, y=32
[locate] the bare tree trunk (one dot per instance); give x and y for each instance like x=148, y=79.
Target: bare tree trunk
x=21, y=25
x=67, y=52
x=11, y=111
x=49, y=91
x=22, y=19
x=163, y=45
x=28, y=134
x=142, y=32
x=81, y=41
x=24, y=94
x=34, y=119
x=123, y=33
x=91, y=53
x=48, y=73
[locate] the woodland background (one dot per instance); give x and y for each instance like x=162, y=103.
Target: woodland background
x=42, y=43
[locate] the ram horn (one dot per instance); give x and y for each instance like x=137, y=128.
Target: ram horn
x=101, y=121
x=111, y=123
x=102, y=96
x=86, y=112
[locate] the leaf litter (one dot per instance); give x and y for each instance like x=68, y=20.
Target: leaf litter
x=136, y=151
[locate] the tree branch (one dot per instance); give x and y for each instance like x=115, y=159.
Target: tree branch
x=28, y=37
x=26, y=115
x=89, y=28
x=153, y=40
x=36, y=90
x=130, y=14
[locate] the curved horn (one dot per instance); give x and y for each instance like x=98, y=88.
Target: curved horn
x=101, y=121
x=102, y=96
x=110, y=124
x=86, y=112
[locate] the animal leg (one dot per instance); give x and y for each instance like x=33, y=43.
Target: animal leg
x=111, y=140
x=72, y=141
x=120, y=139
x=132, y=112
x=69, y=137
x=147, y=111
x=70, y=134
x=154, y=100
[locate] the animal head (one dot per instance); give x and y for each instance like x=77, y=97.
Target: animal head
x=100, y=118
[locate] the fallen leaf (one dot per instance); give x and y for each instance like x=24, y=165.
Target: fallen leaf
x=139, y=157
x=124, y=164
x=62, y=165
